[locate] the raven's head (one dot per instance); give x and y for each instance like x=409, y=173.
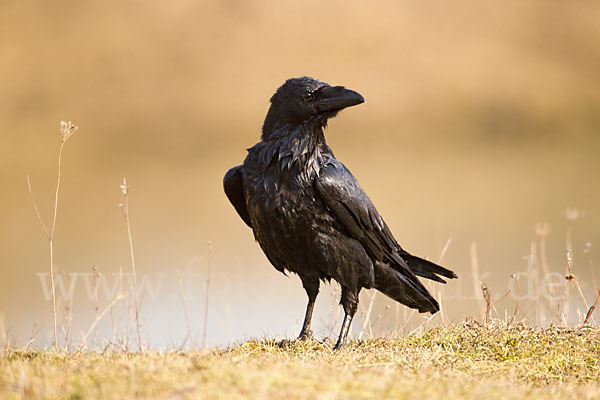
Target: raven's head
x=306, y=99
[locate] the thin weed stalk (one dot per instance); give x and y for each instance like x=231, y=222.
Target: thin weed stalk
x=569, y=278
x=207, y=297
x=542, y=231
x=125, y=207
x=588, y=253
x=488, y=302
x=32, y=338
x=439, y=262
x=444, y=250
x=67, y=129
x=572, y=215
x=3, y=338
x=475, y=273
x=591, y=310
x=185, y=310
x=536, y=282
x=119, y=339
x=114, y=321
x=98, y=318
x=368, y=314
x=441, y=307
x=96, y=274
x=518, y=294
x=68, y=322
x=114, y=326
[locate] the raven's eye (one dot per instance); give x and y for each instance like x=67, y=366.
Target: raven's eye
x=308, y=96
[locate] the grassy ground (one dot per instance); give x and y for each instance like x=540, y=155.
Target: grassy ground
x=460, y=361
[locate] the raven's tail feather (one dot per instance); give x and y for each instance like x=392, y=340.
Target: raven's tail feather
x=404, y=288
x=427, y=269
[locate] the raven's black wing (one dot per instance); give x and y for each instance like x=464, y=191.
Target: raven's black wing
x=340, y=191
x=233, y=183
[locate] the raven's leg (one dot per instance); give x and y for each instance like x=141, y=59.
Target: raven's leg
x=311, y=285
x=350, y=303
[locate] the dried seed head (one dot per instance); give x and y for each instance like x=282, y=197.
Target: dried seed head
x=542, y=229
x=573, y=214
x=67, y=129
x=569, y=277
x=124, y=187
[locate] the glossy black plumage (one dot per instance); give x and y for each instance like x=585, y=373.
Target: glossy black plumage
x=310, y=216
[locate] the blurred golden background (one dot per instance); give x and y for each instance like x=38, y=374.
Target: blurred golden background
x=481, y=120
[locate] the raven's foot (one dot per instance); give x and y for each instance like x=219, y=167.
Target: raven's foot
x=285, y=343
x=306, y=334
x=339, y=344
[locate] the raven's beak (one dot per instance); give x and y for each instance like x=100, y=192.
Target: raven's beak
x=336, y=98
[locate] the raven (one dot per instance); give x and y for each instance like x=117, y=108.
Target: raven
x=310, y=216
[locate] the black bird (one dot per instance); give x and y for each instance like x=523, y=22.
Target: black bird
x=309, y=214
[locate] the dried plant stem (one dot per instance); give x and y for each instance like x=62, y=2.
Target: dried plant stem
x=475, y=273
x=120, y=340
x=421, y=326
x=62, y=145
x=53, y=292
x=185, y=310
x=125, y=338
x=114, y=326
x=475, y=269
x=96, y=305
x=408, y=315
x=51, y=242
x=34, y=333
x=3, y=338
x=99, y=317
x=536, y=282
x=439, y=261
x=67, y=129
x=542, y=231
x=444, y=250
x=125, y=207
x=588, y=251
x=488, y=302
x=207, y=297
x=571, y=215
x=591, y=310
x=69, y=322
x=517, y=296
x=560, y=315
x=35, y=208
x=580, y=293
x=441, y=307
x=50, y=235
x=368, y=315
x=570, y=277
